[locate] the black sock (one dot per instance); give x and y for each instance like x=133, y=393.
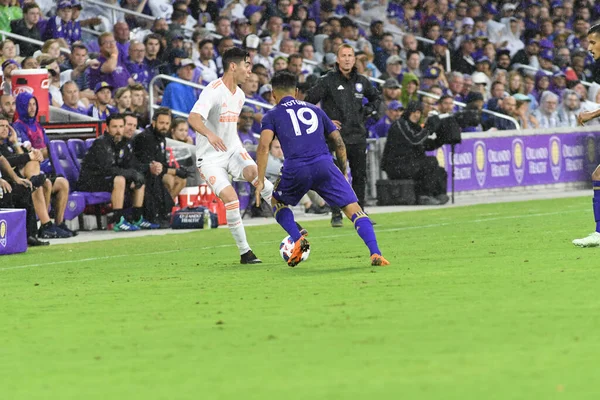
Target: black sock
x=137, y=213
x=117, y=214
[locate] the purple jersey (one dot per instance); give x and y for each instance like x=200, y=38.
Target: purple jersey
x=117, y=79
x=301, y=129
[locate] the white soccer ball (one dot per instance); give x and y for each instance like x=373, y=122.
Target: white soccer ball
x=287, y=246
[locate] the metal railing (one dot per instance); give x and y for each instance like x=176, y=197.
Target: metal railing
x=529, y=67
x=153, y=106
x=11, y=35
x=461, y=104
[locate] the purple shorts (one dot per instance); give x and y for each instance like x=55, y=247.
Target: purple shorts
x=322, y=176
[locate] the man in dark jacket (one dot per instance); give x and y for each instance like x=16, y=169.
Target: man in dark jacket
x=341, y=93
x=163, y=183
x=28, y=27
x=404, y=157
x=102, y=170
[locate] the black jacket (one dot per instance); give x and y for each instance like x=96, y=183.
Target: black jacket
x=127, y=159
x=150, y=146
x=102, y=160
x=15, y=160
x=405, y=143
x=18, y=27
x=341, y=99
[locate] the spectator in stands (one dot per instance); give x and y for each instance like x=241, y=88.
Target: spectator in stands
x=515, y=83
x=547, y=113
x=123, y=100
x=390, y=90
x=527, y=55
x=264, y=54
x=393, y=112
x=153, y=50
x=455, y=85
x=384, y=50
x=55, y=78
x=569, y=108
x=542, y=84
x=111, y=70
x=280, y=63
x=8, y=67
x=151, y=151
x=245, y=131
x=29, y=130
x=266, y=94
x=100, y=172
x=178, y=96
x=404, y=157
x=508, y=106
x=262, y=72
x=139, y=104
x=522, y=112
x=131, y=126
x=224, y=45
x=59, y=26
x=412, y=64
x=70, y=96
x=275, y=29
x=137, y=66
x=8, y=50
x=223, y=27
x=9, y=12
x=102, y=107
x=78, y=63
x=295, y=67
x=180, y=131
x=463, y=60
x=446, y=104
x=30, y=63
x=393, y=68
x=410, y=85
x=28, y=27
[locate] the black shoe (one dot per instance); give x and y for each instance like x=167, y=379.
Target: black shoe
x=37, y=180
x=249, y=258
x=442, y=198
x=303, y=231
x=64, y=227
x=51, y=231
x=32, y=241
x=337, y=221
x=428, y=201
x=315, y=209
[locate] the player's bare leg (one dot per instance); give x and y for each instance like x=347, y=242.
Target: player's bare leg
x=251, y=175
x=236, y=226
x=285, y=217
x=593, y=239
x=364, y=228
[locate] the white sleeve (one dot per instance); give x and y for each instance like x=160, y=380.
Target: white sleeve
x=205, y=102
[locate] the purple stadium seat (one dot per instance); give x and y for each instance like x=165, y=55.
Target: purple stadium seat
x=77, y=149
x=88, y=143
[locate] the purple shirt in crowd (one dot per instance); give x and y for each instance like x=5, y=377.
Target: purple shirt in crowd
x=118, y=78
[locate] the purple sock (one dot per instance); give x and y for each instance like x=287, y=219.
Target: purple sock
x=596, y=203
x=364, y=228
x=285, y=217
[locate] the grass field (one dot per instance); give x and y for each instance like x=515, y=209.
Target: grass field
x=482, y=302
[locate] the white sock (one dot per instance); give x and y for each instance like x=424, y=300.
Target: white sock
x=236, y=226
x=267, y=192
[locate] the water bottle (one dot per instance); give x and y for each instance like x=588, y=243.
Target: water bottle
x=207, y=221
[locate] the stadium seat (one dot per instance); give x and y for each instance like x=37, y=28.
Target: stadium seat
x=77, y=148
x=89, y=142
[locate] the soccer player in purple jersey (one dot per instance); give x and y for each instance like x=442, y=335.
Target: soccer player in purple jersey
x=302, y=130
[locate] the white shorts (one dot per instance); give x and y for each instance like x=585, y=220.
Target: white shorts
x=215, y=171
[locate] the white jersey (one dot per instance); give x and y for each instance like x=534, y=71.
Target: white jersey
x=220, y=110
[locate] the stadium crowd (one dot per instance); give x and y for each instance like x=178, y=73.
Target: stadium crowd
x=523, y=59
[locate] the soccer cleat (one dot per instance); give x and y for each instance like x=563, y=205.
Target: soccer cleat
x=378, y=260
x=249, y=258
x=124, y=226
x=32, y=241
x=592, y=240
x=64, y=227
x=300, y=247
x=145, y=224
x=51, y=231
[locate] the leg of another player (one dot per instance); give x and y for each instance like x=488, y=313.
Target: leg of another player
x=285, y=217
x=251, y=175
x=364, y=228
x=593, y=239
x=236, y=226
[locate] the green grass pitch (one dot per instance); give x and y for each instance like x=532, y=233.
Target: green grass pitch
x=481, y=302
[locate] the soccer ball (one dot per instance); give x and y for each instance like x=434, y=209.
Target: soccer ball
x=287, y=246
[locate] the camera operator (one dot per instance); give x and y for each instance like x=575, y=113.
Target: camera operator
x=404, y=156
x=341, y=93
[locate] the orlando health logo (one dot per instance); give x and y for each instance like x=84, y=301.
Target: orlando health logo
x=518, y=164
x=555, y=158
x=3, y=231
x=479, y=152
x=590, y=145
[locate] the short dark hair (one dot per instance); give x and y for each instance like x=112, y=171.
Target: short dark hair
x=594, y=29
x=4, y=117
x=303, y=45
x=284, y=80
x=234, y=55
x=178, y=14
x=62, y=88
x=294, y=56
x=113, y=117
x=256, y=67
x=350, y=5
x=161, y=111
x=29, y=6
x=205, y=41
x=131, y=114
x=152, y=36
x=78, y=45
x=411, y=52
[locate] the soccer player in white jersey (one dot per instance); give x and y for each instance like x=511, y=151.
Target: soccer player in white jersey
x=219, y=150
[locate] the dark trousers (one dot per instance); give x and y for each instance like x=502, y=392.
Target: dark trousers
x=157, y=200
x=20, y=197
x=357, y=158
x=430, y=179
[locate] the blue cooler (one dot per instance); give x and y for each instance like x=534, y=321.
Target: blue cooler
x=13, y=232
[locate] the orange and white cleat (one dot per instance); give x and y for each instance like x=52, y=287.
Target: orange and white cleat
x=378, y=260
x=300, y=247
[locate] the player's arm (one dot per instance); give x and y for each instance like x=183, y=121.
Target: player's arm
x=586, y=116
x=262, y=159
x=199, y=114
x=340, y=149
